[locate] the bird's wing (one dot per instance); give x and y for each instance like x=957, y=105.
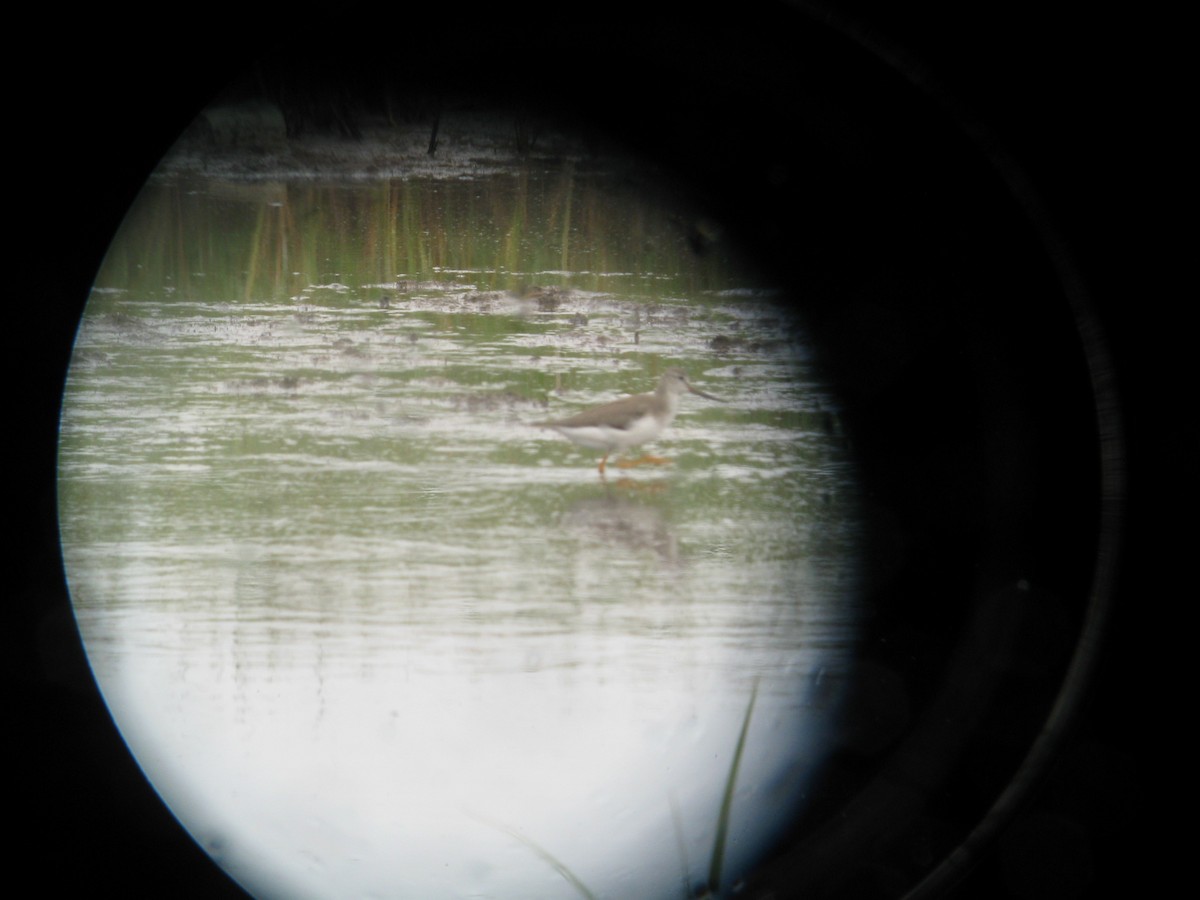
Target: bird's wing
x=618, y=414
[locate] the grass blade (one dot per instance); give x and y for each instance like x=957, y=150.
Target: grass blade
x=718, y=856
x=545, y=854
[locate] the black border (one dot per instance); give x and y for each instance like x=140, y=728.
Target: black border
x=1071, y=96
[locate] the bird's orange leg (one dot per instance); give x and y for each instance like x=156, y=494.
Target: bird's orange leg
x=642, y=460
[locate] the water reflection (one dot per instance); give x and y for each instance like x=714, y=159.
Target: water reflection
x=365, y=628
x=623, y=526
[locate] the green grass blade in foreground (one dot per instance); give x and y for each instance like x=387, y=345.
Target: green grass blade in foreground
x=718, y=857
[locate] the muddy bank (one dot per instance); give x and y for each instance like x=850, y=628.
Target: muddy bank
x=251, y=140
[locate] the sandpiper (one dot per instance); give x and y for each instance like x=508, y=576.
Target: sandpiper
x=625, y=423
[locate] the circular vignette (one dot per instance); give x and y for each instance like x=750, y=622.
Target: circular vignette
x=913, y=866
x=130, y=182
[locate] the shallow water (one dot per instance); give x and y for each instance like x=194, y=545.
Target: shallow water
x=368, y=630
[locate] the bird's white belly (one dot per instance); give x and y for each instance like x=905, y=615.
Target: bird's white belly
x=605, y=437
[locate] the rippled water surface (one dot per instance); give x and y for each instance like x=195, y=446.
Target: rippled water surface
x=368, y=630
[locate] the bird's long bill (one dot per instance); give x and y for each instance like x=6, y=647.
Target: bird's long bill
x=706, y=396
